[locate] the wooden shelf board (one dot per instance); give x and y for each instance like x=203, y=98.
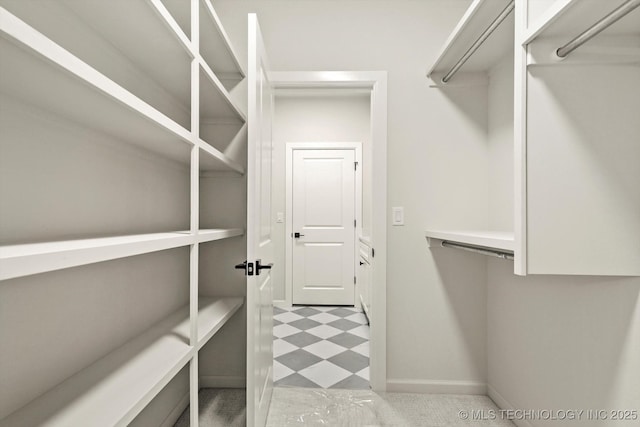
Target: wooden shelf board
x=113, y=390
x=214, y=160
x=142, y=32
x=40, y=73
x=213, y=313
x=215, y=45
x=208, y=235
x=477, y=18
x=27, y=259
x=180, y=10
x=569, y=18
x=215, y=101
x=503, y=240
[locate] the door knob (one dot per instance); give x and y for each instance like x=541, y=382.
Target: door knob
x=297, y=235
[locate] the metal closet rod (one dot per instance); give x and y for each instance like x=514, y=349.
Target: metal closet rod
x=484, y=36
x=483, y=251
x=596, y=28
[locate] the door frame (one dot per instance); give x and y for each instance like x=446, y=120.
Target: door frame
x=376, y=83
x=356, y=147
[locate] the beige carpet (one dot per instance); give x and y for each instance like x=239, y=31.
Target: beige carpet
x=218, y=407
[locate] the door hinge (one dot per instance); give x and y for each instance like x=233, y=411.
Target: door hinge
x=354, y=222
x=355, y=166
x=373, y=252
x=354, y=280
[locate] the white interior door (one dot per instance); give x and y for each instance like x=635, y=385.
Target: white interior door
x=259, y=233
x=323, y=221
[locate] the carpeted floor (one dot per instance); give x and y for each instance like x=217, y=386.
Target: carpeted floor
x=292, y=406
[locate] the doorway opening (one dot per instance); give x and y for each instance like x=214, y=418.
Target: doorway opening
x=316, y=108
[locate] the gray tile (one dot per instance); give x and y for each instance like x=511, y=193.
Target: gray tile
x=350, y=360
x=342, y=311
x=298, y=359
x=306, y=311
x=343, y=324
x=296, y=380
x=354, y=382
x=278, y=310
x=276, y=322
x=347, y=340
x=304, y=324
x=302, y=339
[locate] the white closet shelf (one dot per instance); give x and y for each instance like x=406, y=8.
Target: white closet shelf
x=477, y=18
x=27, y=259
x=39, y=72
x=113, y=390
x=215, y=101
x=214, y=160
x=498, y=240
x=208, y=235
x=143, y=32
x=215, y=45
x=568, y=18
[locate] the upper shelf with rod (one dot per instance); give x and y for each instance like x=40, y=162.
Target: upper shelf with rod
x=586, y=18
x=482, y=37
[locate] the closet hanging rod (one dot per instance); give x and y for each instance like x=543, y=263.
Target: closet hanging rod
x=596, y=28
x=483, y=251
x=484, y=36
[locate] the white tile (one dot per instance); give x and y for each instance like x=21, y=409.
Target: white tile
x=358, y=318
x=324, y=317
x=362, y=331
x=362, y=349
x=280, y=371
x=284, y=330
x=364, y=373
x=324, y=331
x=324, y=349
x=325, y=374
x=281, y=347
x=287, y=317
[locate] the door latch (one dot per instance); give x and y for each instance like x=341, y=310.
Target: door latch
x=247, y=267
x=297, y=235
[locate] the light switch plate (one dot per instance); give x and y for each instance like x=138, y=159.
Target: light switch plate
x=397, y=215
x=280, y=217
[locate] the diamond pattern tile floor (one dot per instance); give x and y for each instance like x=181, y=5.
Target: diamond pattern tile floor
x=321, y=347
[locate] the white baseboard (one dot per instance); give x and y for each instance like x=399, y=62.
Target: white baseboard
x=215, y=381
x=502, y=403
x=281, y=304
x=175, y=413
x=436, y=387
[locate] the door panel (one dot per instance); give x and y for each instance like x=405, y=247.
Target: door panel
x=324, y=214
x=259, y=233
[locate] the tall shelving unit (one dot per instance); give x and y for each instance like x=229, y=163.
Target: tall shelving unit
x=581, y=139
x=113, y=113
x=574, y=131
x=489, y=64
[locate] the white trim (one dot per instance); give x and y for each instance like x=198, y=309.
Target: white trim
x=376, y=81
x=356, y=147
x=502, y=403
x=222, y=381
x=436, y=387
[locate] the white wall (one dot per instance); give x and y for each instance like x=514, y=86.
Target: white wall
x=561, y=342
x=437, y=151
x=337, y=118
